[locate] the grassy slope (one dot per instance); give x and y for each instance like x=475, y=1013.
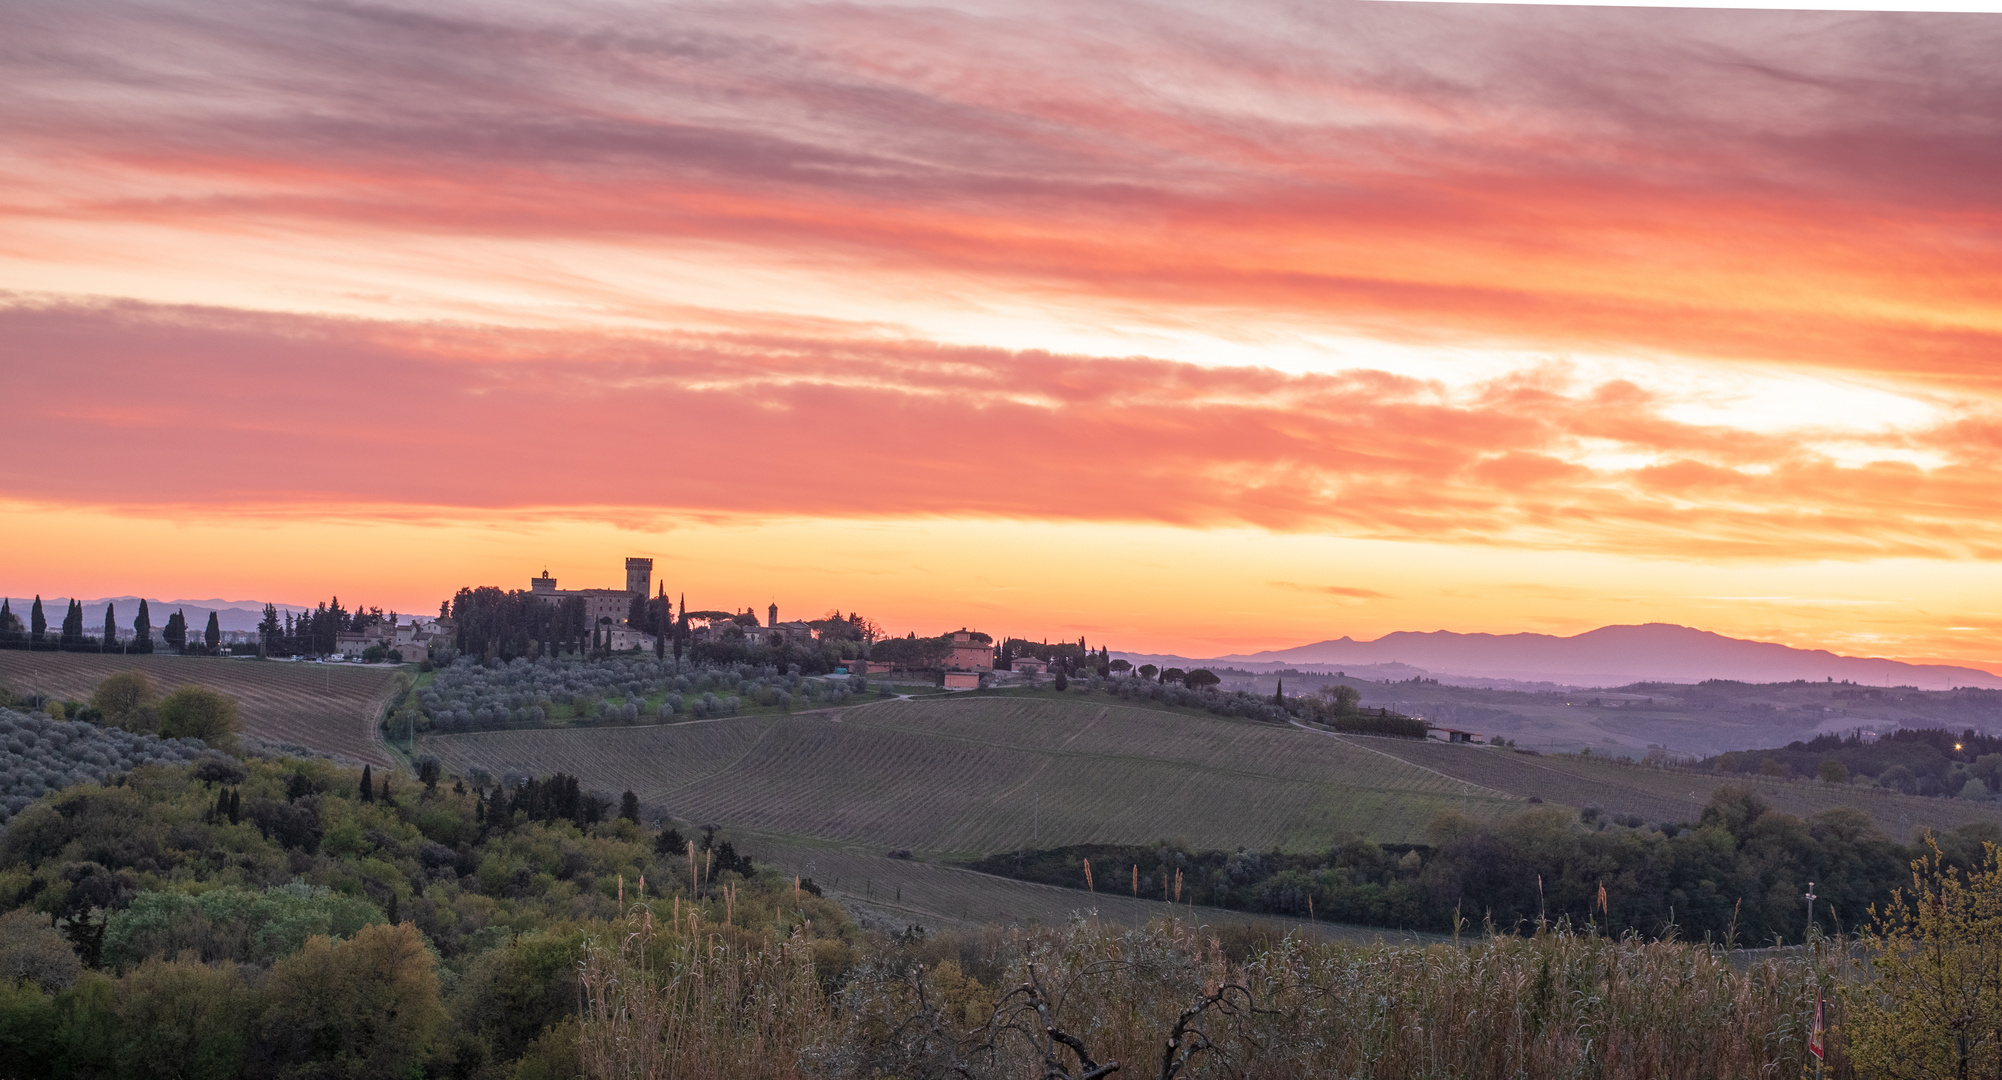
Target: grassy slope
x=892, y=892
x=332, y=708
x=975, y=775
x=1665, y=794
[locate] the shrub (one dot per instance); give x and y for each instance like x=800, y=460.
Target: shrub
x=126, y=701
x=31, y=949
x=368, y=1006
x=1935, y=1006
x=198, y=712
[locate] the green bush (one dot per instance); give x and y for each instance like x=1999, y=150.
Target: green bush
x=201, y=713
x=232, y=924
x=127, y=701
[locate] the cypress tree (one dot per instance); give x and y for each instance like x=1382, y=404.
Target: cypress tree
x=235, y=805
x=629, y=807
x=73, y=623
x=142, y=630
x=6, y=618
x=110, y=626
x=221, y=804
x=367, y=785
x=212, y=637
x=38, y=623
x=1279, y=695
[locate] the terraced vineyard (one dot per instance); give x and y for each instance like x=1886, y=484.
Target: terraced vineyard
x=331, y=708
x=978, y=775
x=1670, y=794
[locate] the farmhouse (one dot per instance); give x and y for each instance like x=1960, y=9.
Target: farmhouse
x=624, y=638
x=968, y=653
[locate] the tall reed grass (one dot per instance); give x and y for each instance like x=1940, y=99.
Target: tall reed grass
x=1177, y=1000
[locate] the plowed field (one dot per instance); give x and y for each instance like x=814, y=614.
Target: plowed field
x=331, y=708
x=1671, y=794
x=978, y=775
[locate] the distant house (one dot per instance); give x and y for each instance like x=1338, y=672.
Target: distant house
x=622, y=639
x=968, y=654
x=1031, y=665
x=963, y=680
x=1451, y=735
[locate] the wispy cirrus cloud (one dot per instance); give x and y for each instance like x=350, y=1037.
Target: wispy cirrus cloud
x=1787, y=187
x=1346, y=592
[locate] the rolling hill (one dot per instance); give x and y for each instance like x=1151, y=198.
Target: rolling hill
x=1609, y=656
x=963, y=776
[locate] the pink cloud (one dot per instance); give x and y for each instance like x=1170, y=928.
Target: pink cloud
x=1804, y=188
x=227, y=412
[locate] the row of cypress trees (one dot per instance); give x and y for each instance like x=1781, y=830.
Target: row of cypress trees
x=70, y=635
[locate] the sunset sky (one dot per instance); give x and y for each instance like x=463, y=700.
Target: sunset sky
x=1190, y=328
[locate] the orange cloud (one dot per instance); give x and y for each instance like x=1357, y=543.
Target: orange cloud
x=130, y=405
x=1788, y=187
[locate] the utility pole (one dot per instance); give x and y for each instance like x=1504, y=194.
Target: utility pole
x=1814, y=1042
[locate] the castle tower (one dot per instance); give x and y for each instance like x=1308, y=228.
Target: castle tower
x=772, y=620
x=639, y=576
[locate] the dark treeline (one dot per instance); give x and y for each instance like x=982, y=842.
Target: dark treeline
x=312, y=633
x=1069, y=657
x=72, y=635
x=1740, y=870
x=1916, y=761
x=496, y=624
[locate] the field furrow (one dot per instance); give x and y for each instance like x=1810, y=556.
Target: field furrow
x=331, y=708
x=1671, y=794
x=976, y=775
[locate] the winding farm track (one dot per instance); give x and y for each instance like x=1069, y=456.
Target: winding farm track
x=330, y=708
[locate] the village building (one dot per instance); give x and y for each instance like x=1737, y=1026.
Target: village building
x=600, y=605
x=967, y=654
x=625, y=639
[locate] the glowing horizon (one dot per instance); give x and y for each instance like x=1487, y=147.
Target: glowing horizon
x=1194, y=335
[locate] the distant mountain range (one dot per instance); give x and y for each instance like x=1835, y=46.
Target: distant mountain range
x=1608, y=656
x=230, y=614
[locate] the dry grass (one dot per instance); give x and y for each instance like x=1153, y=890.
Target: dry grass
x=331, y=708
x=1170, y=1000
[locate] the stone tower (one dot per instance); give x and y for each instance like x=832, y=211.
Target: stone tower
x=772, y=620
x=639, y=576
